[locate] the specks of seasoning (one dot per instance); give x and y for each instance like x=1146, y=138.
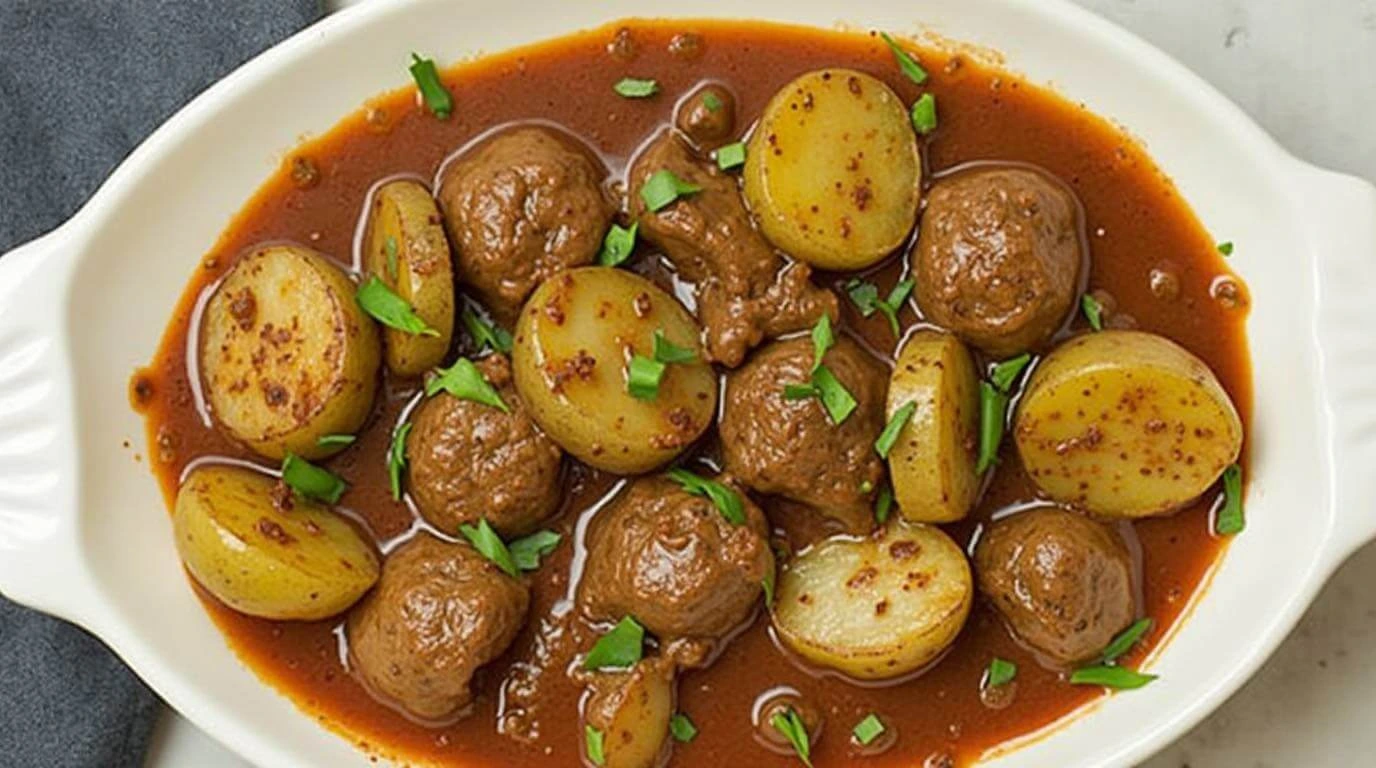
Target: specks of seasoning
x=304, y=172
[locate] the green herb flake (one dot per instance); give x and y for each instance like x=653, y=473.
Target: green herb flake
x=1229, y=520
x=489, y=545
x=311, y=481
x=334, y=441
x=923, y=114
x=385, y=306
x=396, y=458
x=618, y=245
x=636, y=87
x=682, y=728
x=389, y=247
x=768, y=585
x=731, y=156
x=834, y=396
x=868, y=730
x=822, y=340
x=1123, y=641
x=1226, y=248
x=643, y=375
x=527, y=551
x=725, y=498
x=620, y=648
x=592, y=739
x=905, y=60
x=799, y=391
x=666, y=351
x=883, y=505
x=663, y=188
x=464, y=381
x=889, y=436
x=993, y=410
x=1001, y=672
x=1006, y=373
x=436, y=96
x=1094, y=311
x=711, y=101
x=485, y=334
x=791, y=726
x=864, y=295
x=1120, y=678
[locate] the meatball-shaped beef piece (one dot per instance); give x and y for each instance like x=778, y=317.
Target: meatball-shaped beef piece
x=998, y=257
x=440, y=611
x=707, y=116
x=791, y=448
x=672, y=561
x=467, y=460
x=520, y=207
x=1063, y=582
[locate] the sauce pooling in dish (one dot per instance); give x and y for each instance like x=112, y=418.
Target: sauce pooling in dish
x=1028, y=205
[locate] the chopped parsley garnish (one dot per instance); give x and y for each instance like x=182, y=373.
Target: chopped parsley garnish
x=1001, y=672
x=1120, y=678
x=593, y=740
x=993, y=410
x=1226, y=248
x=527, y=551
x=1093, y=310
x=905, y=60
x=866, y=298
x=1123, y=641
x=636, y=87
x=311, y=481
x=923, y=114
x=436, y=96
x=868, y=730
x=1229, y=520
x=1006, y=373
x=618, y=245
x=768, y=585
x=883, y=505
x=791, y=726
x=666, y=351
x=835, y=398
x=486, y=334
x=663, y=188
x=490, y=546
x=711, y=101
x=620, y=648
x=464, y=381
x=385, y=306
x=331, y=441
x=723, y=497
x=642, y=377
x=889, y=436
x=682, y=728
x=396, y=458
x=731, y=156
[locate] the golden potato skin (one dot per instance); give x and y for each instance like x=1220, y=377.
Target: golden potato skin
x=287, y=356
x=632, y=709
x=263, y=552
x=878, y=607
x=833, y=170
x=1125, y=423
x=404, y=220
x=932, y=465
x=574, y=339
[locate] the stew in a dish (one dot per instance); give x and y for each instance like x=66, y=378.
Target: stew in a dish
x=705, y=394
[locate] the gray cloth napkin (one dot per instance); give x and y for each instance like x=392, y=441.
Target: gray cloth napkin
x=81, y=83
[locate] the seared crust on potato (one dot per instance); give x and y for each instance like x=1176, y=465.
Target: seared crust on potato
x=1125, y=423
x=287, y=356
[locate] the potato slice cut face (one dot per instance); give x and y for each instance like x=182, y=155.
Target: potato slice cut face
x=833, y=171
x=574, y=343
x=1125, y=423
x=405, y=247
x=287, y=356
x=878, y=607
x=288, y=558
x=932, y=464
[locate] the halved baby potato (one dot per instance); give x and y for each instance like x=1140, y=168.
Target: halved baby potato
x=406, y=248
x=574, y=342
x=276, y=558
x=833, y=171
x=1125, y=423
x=878, y=607
x=287, y=356
x=631, y=709
x=932, y=465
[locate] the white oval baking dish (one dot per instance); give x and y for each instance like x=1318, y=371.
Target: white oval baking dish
x=84, y=533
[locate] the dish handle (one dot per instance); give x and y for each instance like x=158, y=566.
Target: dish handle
x=1340, y=212
x=40, y=563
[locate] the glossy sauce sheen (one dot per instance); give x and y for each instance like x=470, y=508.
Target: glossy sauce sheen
x=1136, y=221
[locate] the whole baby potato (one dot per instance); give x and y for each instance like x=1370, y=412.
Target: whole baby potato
x=631, y=709
x=405, y=247
x=574, y=342
x=1125, y=423
x=263, y=552
x=833, y=171
x=287, y=356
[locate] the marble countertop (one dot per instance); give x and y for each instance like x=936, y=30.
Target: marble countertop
x=1306, y=70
